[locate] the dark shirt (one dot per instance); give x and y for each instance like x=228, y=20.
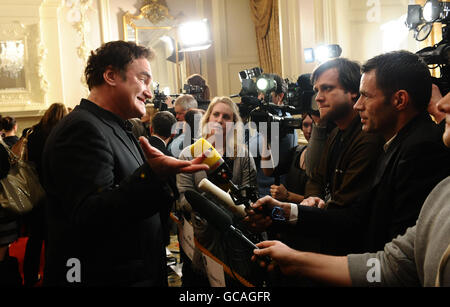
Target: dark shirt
x=10, y=140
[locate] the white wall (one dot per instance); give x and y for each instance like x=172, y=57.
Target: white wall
x=234, y=43
x=356, y=25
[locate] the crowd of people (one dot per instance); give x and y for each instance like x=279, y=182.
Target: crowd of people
x=371, y=184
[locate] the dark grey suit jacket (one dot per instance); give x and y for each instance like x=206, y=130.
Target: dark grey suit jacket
x=103, y=203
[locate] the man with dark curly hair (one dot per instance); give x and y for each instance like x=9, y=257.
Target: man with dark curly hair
x=105, y=188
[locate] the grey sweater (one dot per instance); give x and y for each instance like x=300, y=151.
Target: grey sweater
x=414, y=258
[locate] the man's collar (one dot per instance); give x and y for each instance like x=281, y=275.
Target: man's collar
x=125, y=124
x=158, y=137
x=407, y=128
x=388, y=143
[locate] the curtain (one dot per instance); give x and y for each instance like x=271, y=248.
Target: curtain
x=266, y=20
x=193, y=63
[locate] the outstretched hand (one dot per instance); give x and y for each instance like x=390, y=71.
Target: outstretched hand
x=256, y=219
x=283, y=256
x=164, y=166
x=314, y=202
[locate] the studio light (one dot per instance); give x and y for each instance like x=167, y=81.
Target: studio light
x=421, y=19
x=431, y=11
x=325, y=52
x=266, y=85
x=194, y=36
x=322, y=53
x=309, y=55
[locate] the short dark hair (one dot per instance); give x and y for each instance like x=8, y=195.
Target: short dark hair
x=117, y=54
x=402, y=70
x=162, y=123
x=8, y=123
x=282, y=86
x=190, y=118
x=349, y=73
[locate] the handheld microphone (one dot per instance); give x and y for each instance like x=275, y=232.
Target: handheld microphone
x=207, y=186
x=220, y=173
x=217, y=165
x=216, y=216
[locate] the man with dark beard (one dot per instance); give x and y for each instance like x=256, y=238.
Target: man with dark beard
x=350, y=154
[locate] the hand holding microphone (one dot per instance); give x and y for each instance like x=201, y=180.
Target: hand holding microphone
x=208, y=187
x=217, y=166
x=218, y=173
x=218, y=218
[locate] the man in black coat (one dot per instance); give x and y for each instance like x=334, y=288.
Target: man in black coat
x=161, y=131
x=104, y=191
x=161, y=134
x=395, y=91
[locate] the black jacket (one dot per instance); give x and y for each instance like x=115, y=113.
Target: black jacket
x=165, y=213
x=159, y=144
x=103, y=203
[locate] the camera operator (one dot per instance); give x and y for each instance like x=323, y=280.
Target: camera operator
x=198, y=80
x=285, y=143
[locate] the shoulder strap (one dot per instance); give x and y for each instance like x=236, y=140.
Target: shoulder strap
x=24, y=147
x=13, y=158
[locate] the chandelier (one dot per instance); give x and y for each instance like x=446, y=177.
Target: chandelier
x=11, y=58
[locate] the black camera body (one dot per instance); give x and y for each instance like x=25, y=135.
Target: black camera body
x=159, y=99
x=301, y=95
x=193, y=90
x=422, y=24
x=198, y=93
x=258, y=111
x=262, y=110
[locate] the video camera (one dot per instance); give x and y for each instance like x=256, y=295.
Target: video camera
x=258, y=110
x=194, y=90
x=301, y=95
x=421, y=20
x=159, y=99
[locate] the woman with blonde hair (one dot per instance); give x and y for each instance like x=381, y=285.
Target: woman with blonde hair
x=221, y=125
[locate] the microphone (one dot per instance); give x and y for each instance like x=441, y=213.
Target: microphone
x=219, y=173
x=207, y=186
x=217, y=165
x=215, y=216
